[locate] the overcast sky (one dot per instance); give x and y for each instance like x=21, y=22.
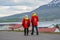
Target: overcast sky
x=11, y=7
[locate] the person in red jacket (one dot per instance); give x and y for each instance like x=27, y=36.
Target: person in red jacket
x=26, y=24
x=34, y=21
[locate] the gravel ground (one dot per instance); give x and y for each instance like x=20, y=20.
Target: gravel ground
x=20, y=36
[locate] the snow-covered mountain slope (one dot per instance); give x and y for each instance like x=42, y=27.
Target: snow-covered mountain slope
x=54, y=3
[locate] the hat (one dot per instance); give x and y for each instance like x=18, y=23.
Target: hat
x=26, y=17
x=34, y=14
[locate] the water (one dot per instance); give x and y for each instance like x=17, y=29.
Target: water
x=48, y=23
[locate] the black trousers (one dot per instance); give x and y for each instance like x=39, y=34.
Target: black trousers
x=26, y=31
x=33, y=30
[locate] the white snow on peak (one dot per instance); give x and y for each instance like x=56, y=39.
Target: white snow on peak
x=55, y=2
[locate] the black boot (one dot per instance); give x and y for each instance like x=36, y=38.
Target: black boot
x=31, y=33
x=37, y=33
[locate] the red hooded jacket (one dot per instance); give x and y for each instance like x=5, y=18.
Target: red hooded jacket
x=34, y=20
x=26, y=23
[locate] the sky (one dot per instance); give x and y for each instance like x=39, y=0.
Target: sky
x=11, y=7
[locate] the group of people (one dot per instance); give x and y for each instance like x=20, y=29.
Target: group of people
x=27, y=21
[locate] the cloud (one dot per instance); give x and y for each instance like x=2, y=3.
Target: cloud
x=11, y=10
x=16, y=1
x=11, y=7
x=24, y=2
x=21, y=8
x=4, y=7
x=29, y=0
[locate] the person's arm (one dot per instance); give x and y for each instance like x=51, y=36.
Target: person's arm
x=29, y=22
x=37, y=18
x=23, y=22
x=31, y=19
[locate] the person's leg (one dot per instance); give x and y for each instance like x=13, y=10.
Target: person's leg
x=32, y=30
x=25, y=31
x=36, y=30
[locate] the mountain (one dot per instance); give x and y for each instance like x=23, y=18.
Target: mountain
x=46, y=12
x=51, y=10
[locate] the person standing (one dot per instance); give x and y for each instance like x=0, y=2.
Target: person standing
x=34, y=21
x=26, y=24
